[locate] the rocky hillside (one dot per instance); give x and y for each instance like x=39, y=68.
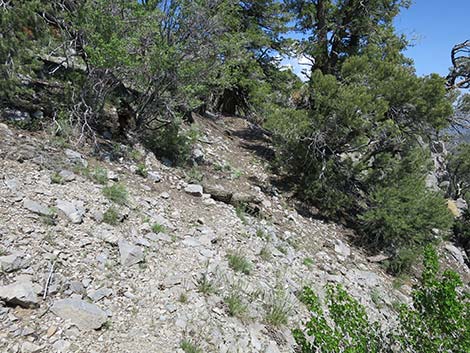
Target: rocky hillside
x=119, y=252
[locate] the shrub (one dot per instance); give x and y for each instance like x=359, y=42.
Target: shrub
x=462, y=231
x=437, y=321
x=111, y=216
x=141, y=170
x=100, y=175
x=158, y=228
x=205, y=285
x=345, y=329
x=235, y=303
x=402, y=218
x=116, y=193
x=239, y=263
x=189, y=347
x=56, y=178
x=278, y=308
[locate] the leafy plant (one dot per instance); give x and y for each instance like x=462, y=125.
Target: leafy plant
x=346, y=327
x=265, y=253
x=439, y=320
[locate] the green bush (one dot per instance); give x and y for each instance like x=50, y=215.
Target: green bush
x=402, y=218
x=437, y=321
x=142, y=170
x=345, y=329
x=111, y=216
x=239, y=263
x=169, y=142
x=462, y=231
x=116, y=193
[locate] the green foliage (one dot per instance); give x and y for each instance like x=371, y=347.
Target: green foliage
x=141, y=170
x=346, y=328
x=158, y=228
x=205, y=285
x=189, y=347
x=170, y=143
x=437, y=321
x=100, y=175
x=278, y=308
x=239, y=263
x=357, y=148
x=404, y=215
x=116, y=193
x=111, y=216
x=235, y=304
x=22, y=32
x=56, y=178
x=459, y=170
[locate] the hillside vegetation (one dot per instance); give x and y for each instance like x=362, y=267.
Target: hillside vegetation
x=194, y=94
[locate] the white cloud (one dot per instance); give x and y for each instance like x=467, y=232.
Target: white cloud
x=300, y=65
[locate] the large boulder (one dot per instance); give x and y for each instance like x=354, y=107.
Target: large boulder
x=22, y=293
x=84, y=315
x=37, y=208
x=73, y=211
x=130, y=254
x=194, y=189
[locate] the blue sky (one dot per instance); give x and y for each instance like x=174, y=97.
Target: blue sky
x=435, y=27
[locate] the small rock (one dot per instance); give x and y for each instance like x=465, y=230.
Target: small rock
x=272, y=348
x=240, y=198
x=67, y=175
x=77, y=287
x=107, y=236
x=456, y=253
x=99, y=294
x=130, y=254
x=112, y=175
x=197, y=155
x=73, y=211
x=218, y=193
x=75, y=157
x=51, y=331
x=14, y=262
x=11, y=184
x=194, y=189
x=165, y=195
x=154, y=176
x=29, y=347
x=22, y=293
x=378, y=258
x=36, y=207
x=342, y=249
x=61, y=346
x=84, y=315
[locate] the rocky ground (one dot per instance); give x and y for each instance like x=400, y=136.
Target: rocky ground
x=97, y=258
